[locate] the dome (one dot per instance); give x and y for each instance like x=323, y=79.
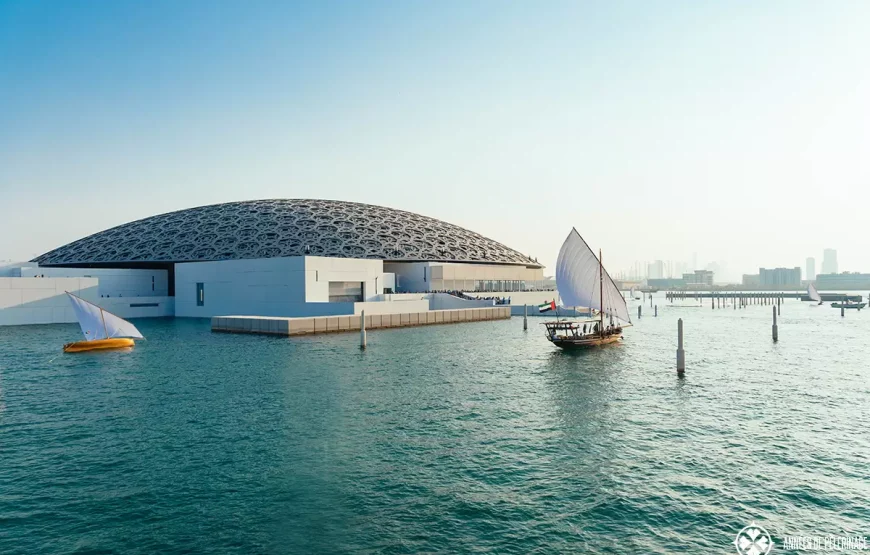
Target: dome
x=280, y=228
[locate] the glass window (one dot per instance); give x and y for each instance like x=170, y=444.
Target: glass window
x=345, y=291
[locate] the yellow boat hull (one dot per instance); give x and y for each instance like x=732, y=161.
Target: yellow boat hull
x=98, y=344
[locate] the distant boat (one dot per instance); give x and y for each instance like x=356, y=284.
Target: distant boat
x=102, y=329
x=848, y=304
x=582, y=281
x=633, y=294
x=813, y=294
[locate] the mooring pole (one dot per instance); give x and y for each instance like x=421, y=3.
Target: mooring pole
x=362, y=329
x=657, y=311
x=638, y=312
x=681, y=354
x=525, y=317
x=775, y=331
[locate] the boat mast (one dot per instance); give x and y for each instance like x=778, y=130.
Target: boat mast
x=600, y=294
x=105, y=329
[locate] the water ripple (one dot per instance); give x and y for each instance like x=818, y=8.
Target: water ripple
x=467, y=438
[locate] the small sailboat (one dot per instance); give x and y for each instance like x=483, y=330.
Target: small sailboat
x=633, y=294
x=102, y=329
x=582, y=281
x=813, y=294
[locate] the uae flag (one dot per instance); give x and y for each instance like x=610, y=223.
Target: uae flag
x=547, y=306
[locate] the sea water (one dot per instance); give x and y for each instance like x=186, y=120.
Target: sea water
x=474, y=437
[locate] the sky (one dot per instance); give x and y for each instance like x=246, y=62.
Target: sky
x=739, y=130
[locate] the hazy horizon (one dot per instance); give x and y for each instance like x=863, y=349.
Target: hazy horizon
x=660, y=130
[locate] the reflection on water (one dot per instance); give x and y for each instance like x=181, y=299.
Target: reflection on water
x=477, y=434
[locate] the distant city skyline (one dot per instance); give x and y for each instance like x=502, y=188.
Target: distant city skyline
x=658, y=130
x=829, y=261
x=675, y=269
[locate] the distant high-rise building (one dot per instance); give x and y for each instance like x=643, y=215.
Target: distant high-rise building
x=829, y=262
x=699, y=277
x=811, y=268
x=656, y=270
x=779, y=276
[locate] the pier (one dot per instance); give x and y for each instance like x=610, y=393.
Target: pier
x=752, y=297
x=269, y=325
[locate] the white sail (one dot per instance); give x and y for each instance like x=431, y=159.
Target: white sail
x=97, y=323
x=90, y=318
x=813, y=294
x=578, y=280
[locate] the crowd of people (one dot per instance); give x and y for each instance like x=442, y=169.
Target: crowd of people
x=462, y=295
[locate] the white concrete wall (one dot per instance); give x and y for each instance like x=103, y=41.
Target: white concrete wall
x=11, y=270
x=263, y=287
x=121, y=282
x=521, y=297
x=139, y=307
x=394, y=307
x=388, y=281
x=42, y=300
x=395, y=297
x=439, y=276
x=289, y=287
x=410, y=276
x=443, y=301
x=320, y=270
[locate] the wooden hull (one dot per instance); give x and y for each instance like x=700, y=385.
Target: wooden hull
x=574, y=343
x=98, y=345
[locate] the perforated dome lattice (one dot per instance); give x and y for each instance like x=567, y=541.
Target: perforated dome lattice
x=284, y=227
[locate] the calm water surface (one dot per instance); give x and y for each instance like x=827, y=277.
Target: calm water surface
x=459, y=438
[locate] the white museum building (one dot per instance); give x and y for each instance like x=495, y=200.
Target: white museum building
x=280, y=257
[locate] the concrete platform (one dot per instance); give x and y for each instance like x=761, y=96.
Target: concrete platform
x=270, y=325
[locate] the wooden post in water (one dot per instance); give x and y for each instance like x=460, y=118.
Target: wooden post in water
x=681, y=354
x=638, y=311
x=657, y=311
x=362, y=329
x=775, y=331
x=778, y=305
x=525, y=317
